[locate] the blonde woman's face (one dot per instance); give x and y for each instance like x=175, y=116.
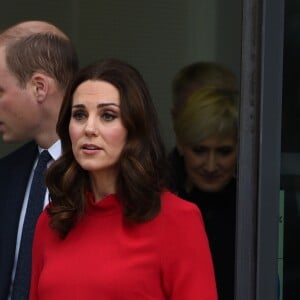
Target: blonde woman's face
x=211, y=164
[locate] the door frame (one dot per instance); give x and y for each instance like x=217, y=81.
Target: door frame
x=259, y=150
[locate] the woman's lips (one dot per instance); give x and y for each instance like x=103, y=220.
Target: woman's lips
x=90, y=148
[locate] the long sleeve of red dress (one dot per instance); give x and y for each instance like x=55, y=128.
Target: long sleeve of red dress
x=105, y=257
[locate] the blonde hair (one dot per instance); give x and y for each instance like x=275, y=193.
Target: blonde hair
x=209, y=111
x=199, y=75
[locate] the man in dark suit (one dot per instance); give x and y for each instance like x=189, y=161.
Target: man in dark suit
x=37, y=61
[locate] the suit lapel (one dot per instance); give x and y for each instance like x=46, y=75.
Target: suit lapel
x=15, y=170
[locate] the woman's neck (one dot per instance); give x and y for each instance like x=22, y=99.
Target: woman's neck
x=103, y=185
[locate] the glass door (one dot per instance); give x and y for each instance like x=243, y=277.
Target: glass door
x=290, y=156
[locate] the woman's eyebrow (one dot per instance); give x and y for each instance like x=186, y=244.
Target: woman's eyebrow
x=107, y=104
x=99, y=105
x=77, y=106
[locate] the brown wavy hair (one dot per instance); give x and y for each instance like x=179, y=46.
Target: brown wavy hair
x=142, y=163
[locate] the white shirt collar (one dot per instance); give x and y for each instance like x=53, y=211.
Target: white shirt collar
x=55, y=150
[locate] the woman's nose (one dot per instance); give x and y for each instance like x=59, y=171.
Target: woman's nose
x=211, y=163
x=90, y=128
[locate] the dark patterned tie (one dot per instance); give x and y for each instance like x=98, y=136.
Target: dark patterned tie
x=21, y=283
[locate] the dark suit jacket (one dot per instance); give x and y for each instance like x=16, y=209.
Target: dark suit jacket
x=15, y=170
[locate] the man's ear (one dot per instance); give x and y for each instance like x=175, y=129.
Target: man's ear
x=40, y=85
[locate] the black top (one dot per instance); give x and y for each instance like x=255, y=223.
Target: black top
x=219, y=214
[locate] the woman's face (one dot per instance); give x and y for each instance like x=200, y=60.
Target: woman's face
x=211, y=164
x=96, y=130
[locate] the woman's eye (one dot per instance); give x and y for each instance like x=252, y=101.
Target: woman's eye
x=199, y=150
x=108, y=116
x=225, y=151
x=78, y=115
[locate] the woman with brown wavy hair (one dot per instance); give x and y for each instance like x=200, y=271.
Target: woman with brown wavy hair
x=115, y=231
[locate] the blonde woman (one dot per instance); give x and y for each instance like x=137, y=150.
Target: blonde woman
x=203, y=168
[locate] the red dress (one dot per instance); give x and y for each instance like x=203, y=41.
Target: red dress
x=106, y=258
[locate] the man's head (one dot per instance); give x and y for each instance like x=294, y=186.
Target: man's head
x=37, y=61
x=26, y=28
